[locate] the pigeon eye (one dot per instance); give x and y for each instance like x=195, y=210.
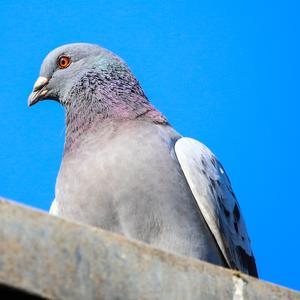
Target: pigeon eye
x=63, y=61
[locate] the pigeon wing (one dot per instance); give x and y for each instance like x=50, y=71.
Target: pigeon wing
x=217, y=202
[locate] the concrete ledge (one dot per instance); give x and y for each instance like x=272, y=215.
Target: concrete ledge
x=53, y=258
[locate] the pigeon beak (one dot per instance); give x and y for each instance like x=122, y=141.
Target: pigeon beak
x=39, y=92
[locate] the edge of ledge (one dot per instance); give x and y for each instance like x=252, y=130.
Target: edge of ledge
x=56, y=258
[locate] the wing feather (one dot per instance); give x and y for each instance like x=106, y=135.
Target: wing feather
x=54, y=208
x=217, y=202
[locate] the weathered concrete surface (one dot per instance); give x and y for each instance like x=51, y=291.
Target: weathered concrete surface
x=57, y=259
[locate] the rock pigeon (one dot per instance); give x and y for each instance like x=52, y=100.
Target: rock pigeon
x=125, y=168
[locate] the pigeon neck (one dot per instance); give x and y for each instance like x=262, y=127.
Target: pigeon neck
x=93, y=102
x=78, y=125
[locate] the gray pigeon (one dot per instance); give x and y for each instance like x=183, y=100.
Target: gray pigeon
x=125, y=169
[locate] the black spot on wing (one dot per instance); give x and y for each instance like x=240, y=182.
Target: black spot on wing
x=213, y=182
x=211, y=189
x=226, y=212
x=236, y=213
x=247, y=261
x=236, y=227
x=213, y=161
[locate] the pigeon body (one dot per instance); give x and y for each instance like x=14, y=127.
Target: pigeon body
x=125, y=169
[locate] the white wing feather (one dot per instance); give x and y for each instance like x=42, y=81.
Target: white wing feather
x=54, y=208
x=217, y=203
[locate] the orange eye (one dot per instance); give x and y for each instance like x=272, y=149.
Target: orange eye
x=63, y=61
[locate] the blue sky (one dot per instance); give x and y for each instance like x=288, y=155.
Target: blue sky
x=226, y=73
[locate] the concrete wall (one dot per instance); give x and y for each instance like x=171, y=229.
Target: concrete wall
x=45, y=257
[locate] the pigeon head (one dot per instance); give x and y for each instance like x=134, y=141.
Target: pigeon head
x=63, y=68
x=91, y=83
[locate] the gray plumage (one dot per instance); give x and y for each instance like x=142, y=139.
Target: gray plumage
x=125, y=169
